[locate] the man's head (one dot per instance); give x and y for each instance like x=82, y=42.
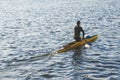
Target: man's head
x=78, y=23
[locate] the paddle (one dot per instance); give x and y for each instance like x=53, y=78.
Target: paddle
x=87, y=44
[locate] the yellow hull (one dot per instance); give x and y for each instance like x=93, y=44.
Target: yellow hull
x=75, y=44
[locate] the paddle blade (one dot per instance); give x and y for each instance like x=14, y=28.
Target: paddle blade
x=87, y=46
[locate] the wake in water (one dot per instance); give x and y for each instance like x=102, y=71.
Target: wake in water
x=19, y=60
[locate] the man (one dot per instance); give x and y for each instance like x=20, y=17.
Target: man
x=77, y=30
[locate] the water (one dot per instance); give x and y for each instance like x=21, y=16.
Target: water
x=31, y=29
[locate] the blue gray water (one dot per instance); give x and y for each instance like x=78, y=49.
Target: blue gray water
x=31, y=29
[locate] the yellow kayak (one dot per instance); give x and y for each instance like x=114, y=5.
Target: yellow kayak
x=75, y=44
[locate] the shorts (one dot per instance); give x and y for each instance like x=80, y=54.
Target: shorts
x=77, y=39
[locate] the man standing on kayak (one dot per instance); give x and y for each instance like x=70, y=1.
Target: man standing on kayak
x=77, y=30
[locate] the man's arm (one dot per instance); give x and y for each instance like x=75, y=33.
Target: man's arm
x=83, y=33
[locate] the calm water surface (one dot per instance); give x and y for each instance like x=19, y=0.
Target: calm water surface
x=31, y=29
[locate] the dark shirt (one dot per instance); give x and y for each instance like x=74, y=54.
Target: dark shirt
x=77, y=31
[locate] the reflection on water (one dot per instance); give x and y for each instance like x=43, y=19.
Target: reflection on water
x=76, y=56
x=78, y=61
